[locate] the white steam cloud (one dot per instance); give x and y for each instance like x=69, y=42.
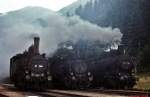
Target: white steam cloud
x=16, y=34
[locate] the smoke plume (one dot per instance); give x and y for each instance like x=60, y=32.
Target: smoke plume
x=17, y=32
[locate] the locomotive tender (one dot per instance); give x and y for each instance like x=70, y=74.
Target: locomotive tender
x=30, y=69
x=84, y=65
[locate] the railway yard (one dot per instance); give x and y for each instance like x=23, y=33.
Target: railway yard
x=8, y=90
x=70, y=70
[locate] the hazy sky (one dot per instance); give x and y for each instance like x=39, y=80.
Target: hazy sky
x=55, y=5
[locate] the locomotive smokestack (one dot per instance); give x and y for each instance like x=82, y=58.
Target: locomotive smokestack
x=36, y=45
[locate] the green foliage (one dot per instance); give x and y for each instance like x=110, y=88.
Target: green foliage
x=144, y=59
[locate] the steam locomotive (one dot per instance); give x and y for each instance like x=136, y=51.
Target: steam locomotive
x=80, y=65
x=85, y=64
x=30, y=70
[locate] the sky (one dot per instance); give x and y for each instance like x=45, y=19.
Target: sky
x=55, y=5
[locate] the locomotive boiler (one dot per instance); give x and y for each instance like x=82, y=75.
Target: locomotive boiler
x=30, y=69
x=85, y=64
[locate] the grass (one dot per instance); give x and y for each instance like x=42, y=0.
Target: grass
x=143, y=82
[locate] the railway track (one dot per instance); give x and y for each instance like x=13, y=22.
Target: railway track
x=11, y=91
x=7, y=90
x=107, y=93
x=55, y=93
x=84, y=93
x=135, y=93
x=58, y=94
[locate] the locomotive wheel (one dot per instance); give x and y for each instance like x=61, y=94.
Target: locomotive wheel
x=83, y=85
x=16, y=84
x=111, y=83
x=129, y=86
x=19, y=85
x=70, y=84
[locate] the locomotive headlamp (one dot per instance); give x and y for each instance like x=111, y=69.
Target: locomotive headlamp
x=91, y=78
x=73, y=78
x=119, y=74
x=37, y=75
x=121, y=78
x=49, y=78
x=125, y=76
x=89, y=73
x=27, y=77
x=26, y=71
x=71, y=73
x=35, y=66
x=125, y=62
x=32, y=74
x=41, y=66
x=133, y=74
x=42, y=74
x=48, y=72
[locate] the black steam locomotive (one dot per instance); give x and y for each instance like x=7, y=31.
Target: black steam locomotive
x=85, y=64
x=30, y=70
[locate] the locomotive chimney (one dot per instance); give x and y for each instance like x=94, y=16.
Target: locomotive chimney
x=36, y=45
